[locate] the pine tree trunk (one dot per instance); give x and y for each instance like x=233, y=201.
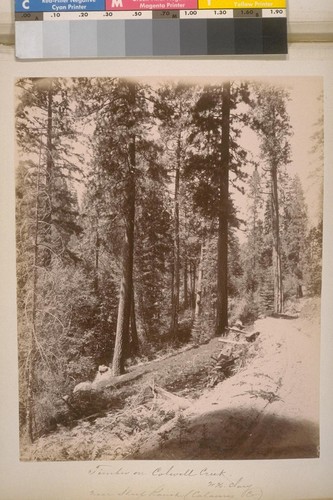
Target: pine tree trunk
x=96, y=270
x=278, y=290
x=193, y=272
x=186, y=301
x=134, y=332
x=222, y=245
x=126, y=287
x=176, y=251
x=198, y=295
x=29, y=413
x=47, y=218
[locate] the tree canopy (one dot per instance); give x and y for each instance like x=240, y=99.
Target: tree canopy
x=131, y=232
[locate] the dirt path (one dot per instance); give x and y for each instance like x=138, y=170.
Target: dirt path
x=288, y=427
x=270, y=409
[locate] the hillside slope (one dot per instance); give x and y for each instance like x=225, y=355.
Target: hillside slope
x=267, y=408
x=270, y=409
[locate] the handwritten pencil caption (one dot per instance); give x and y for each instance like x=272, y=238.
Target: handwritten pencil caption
x=197, y=483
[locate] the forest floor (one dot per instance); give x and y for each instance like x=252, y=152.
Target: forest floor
x=267, y=407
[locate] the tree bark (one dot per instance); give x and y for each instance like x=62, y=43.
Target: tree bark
x=192, y=284
x=29, y=413
x=222, y=245
x=186, y=301
x=176, y=250
x=47, y=217
x=198, y=295
x=277, y=268
x=126, y=286
x=96, y=270
x=134, y=332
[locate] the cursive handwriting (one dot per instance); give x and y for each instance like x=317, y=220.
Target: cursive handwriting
x=111, y=470
x=215, y=483
x=162, y=492
x=171, y=471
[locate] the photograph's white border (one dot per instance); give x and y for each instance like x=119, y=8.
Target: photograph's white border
x=277, y=479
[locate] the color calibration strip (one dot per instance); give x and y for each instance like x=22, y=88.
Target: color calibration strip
x=140, y=28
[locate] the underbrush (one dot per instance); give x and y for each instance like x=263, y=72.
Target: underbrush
x=127, y=410
x=163, y=343
x=132, y=412
x=113, y=436
x=246, y=309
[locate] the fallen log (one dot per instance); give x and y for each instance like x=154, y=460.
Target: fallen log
x=225, y=365
x=176, y=401
x=234, y=342
x=234, y=329
x=249, y=336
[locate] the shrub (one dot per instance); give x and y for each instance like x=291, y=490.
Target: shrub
x=246, y=309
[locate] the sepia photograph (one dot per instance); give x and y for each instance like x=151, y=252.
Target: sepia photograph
x=169, y=267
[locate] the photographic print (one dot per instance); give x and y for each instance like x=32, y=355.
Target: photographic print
x=169, y=253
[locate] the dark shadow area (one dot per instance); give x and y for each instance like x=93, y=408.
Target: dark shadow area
x=235, y=434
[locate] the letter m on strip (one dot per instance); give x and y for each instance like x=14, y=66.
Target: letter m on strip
x=116, y=3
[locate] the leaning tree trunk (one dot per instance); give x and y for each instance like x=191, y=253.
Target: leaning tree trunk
x=277, y=269
x=126, y=287
x=222, y=244
x=176, y=251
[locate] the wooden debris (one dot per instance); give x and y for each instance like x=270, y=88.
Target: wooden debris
x=236, y=330
x=224, y=362
x=239, y=324
x=221, y=369
x=224, y=365
x=176, y=401
x=251, y=337
x=234, y=342
x=220, y=357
